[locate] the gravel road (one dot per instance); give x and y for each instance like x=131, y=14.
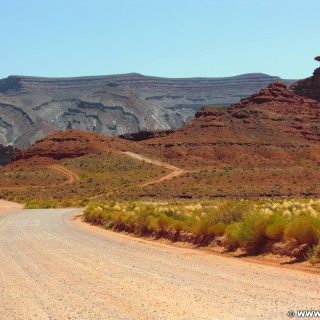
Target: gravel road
x=54, y=267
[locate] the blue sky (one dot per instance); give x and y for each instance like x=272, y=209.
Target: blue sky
x=168, y=38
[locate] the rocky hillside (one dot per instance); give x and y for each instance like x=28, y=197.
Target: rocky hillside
x=309, y=87
x=32, y=108
x=73, y=144
x=274, y=127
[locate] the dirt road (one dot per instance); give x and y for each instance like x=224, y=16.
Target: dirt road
x=52, y=267
x=175, y=170
x=9, y=206
x=72, y=177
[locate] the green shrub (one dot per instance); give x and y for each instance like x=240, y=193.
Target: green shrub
x=165, y=222
x=276, y=226
x=303, y=229
x=248, y=234
x=42, y=204
x=232, y=233
x=231, y=211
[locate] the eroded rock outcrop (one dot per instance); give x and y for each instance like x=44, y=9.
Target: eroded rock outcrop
x=273, y=124
x=309, y=87
x=276, y=94
x=6, y=154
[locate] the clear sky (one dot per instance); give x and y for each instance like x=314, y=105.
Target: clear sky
x=167, y=38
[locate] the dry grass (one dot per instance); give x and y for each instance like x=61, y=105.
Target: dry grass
x=250, y=225
x=101, y=175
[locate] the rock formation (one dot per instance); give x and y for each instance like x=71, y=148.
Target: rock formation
x=274, y=125
x=7, y=154
x=309, y=87
x=72, y=144
x=32, y=108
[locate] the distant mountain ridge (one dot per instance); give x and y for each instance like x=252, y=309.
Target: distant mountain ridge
x=33, y=107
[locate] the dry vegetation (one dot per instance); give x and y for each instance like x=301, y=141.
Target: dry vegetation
x=238, y=183
x=254, y=226
x=30, y=178
x=101, y=175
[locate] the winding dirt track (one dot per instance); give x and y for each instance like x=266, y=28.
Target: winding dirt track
x=54, y=267
x=175, y=170
x=72, y=177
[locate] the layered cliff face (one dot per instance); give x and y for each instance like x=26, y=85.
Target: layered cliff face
x=272, y=128
x=309, y=87
x=32, y=108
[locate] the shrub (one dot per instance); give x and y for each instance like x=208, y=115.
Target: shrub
x=42, y=204
x=276, y=226
x=231, y=211
x=248, y=234
x=152, y=223
x=314, y=254
x=217, y=229
x=164, y=222
x=232, y=233
x=304, y=229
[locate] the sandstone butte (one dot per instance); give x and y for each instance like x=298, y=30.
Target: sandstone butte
x=309, y=87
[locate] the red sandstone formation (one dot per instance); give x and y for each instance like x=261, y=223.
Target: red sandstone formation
x=73, y=143
x=309, y=87
x=273, y=125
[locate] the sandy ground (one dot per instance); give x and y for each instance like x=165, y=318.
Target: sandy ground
x=55, y=267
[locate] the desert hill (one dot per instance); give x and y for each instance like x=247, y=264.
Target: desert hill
x=32, y=108
x=73, y=144
x=273, y=127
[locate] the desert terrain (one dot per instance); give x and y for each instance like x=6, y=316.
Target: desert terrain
x=59, y=268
